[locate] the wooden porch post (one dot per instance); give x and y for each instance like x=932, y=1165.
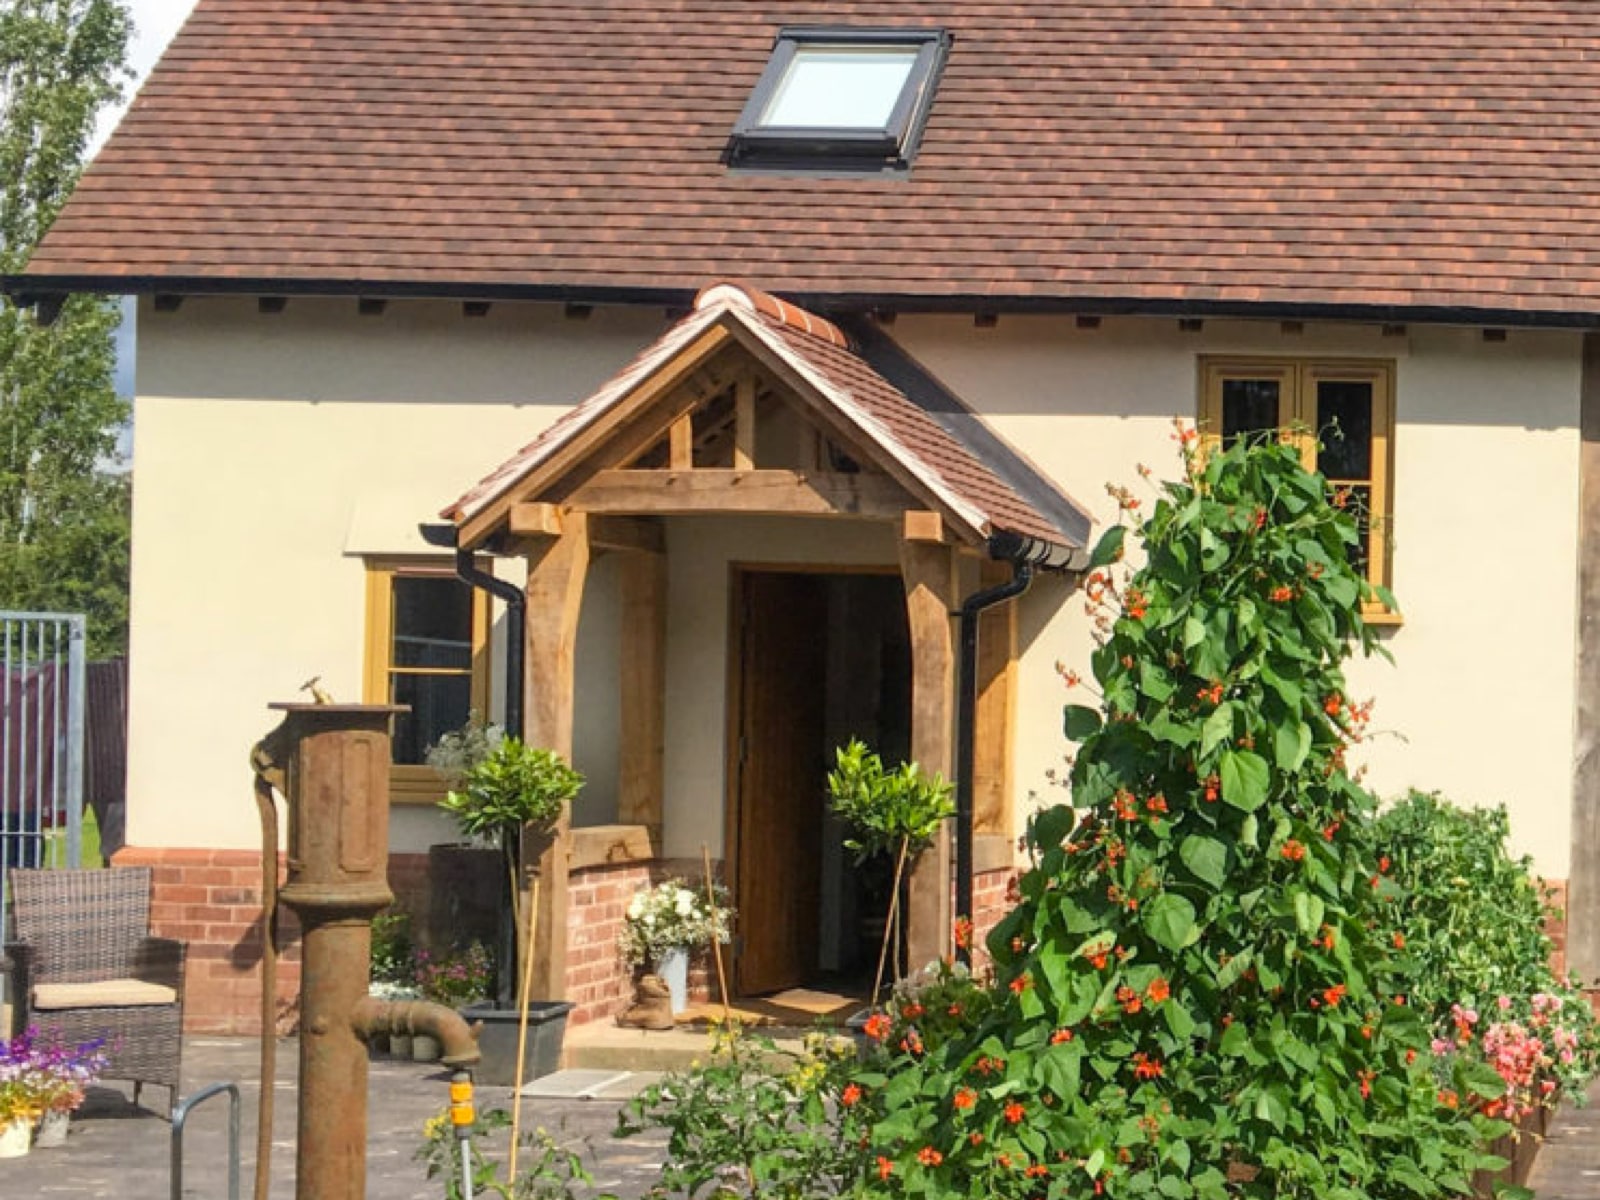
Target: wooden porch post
x=642, y=727
x=556, y=570
x=928, y=570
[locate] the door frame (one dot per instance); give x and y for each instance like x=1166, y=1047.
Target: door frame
x=733, y=707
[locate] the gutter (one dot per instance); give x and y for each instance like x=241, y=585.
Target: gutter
x=1026, y=556
x=516, y=618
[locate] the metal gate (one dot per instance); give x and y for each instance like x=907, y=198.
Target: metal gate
x=42, y=673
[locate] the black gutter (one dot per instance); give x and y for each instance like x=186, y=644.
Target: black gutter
x=34, y=289
x=516, y=618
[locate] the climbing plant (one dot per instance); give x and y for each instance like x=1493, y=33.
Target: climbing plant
x=1200, y=992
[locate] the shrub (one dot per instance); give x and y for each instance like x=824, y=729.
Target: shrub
x=1471, y=917
x=391, y=946
x=457, y=978
x=1195, y=996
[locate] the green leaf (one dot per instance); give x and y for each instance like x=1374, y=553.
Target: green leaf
x=1233, y=970
x=1483, y=1080
x=1081, y=722
x=1218, y=729
x=1206, y=858
x=1169, y=919
x=1057, y=1069
x=1308, y=910
x=1194, y=632
x=1291, y=743
x=1109, y=548
x=1245, y=777
x=1092, y=1166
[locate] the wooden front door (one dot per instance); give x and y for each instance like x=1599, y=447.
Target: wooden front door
x=781, y=777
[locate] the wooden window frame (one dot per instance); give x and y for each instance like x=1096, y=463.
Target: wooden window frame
x=1298, y=377
x=414, y=783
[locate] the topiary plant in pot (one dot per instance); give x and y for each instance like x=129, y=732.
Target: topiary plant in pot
x=512, y=788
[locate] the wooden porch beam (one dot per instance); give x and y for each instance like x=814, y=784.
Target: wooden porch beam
x=680, y=451
x=921, y=525
x=785, y=493
x=534, y=519
x=643, y=685
x=557, y=567
x=929, y=573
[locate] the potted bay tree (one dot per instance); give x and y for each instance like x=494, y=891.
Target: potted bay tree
x=506, y=788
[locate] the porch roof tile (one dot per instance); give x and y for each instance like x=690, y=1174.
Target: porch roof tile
x=981, y=481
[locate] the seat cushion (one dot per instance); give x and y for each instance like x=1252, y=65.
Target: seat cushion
x=106, y=993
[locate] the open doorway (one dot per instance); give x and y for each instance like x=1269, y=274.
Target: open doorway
x=819, y=657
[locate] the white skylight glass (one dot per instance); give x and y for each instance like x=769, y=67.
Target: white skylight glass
x=840, y=87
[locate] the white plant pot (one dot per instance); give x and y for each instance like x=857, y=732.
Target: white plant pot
x=52, y=1129
x=674, y=968
x=15, y=1137
x=399, y=1045
x=424, y=1048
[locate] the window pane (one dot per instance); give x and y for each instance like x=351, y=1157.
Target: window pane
x=432, y=622
x=1249, y=406
x=439, y=703
x=840, y=87
x=1344, y=424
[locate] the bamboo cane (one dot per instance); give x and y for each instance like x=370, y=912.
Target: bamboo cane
x=891, y=922
x=532, y=922
x=716, y=943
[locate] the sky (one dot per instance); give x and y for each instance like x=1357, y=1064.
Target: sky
x=155, y=22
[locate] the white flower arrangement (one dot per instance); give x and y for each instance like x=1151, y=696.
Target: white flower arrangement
x=673, y=916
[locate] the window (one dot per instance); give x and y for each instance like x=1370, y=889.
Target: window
x=427, y=646
x=1346, y=406
x=840, y=99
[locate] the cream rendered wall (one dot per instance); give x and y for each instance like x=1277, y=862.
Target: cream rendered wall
x=1481, y=697
x=271, y=453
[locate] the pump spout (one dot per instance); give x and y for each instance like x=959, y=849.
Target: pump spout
x=459, y=1040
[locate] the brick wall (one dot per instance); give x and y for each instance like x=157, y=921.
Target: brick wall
x=992, y=898
x=211, y=899
x=1555, y=925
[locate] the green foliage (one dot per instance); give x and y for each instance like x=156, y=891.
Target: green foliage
x=886, y=808
x=456, y=978
x=1471, y=919
x=63, y=519
x=1195, y=996
x=753, y=1122
x=392, y=948
x=547, y=1169
x=457, y=752
x=513, y=786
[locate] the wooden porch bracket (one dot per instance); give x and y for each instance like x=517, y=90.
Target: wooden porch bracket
x=929, y=573
x=920, y=525
x=557, y=567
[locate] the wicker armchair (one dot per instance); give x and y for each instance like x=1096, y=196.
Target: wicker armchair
x=85, y=966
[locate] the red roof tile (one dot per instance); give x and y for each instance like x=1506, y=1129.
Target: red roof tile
x=1435, y=154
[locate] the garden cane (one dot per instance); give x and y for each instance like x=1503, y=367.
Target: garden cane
x=522, y=1029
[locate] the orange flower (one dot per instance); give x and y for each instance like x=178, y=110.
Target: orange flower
x=1327, y=834
x=1213, y=788
x=975, y=1138
x=1366, y=1078
x=1129, y=999
x=1411, y=1057
x=851, y=1095
x=1332, y=704
x=877, y=1027
x=1098, y=961
x=1281, y=595
x=1037, y=1171
x=1156, y=803
x=1013, y=1112
x=963, y=933
x=1159, y=990
x=1399, y=941
x=912, y=1011
x=1293, y=850
x=1059, y=1036
x=929, y=1157
x=965, y=1098
x=885, y=1167
x=1332, y=996
x=1021, y=983
x=1145, y=1067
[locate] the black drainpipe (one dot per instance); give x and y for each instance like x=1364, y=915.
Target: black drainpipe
x=516, y=600
x=516, y=606
x=1023, y=554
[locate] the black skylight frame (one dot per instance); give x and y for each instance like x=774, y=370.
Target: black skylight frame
x=890, y=146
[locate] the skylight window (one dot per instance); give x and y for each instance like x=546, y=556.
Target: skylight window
x=840, y=98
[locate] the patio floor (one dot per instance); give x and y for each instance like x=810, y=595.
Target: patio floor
x=117, y=1151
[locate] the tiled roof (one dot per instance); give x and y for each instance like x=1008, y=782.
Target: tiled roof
x=944, y=466
x=1431, y=154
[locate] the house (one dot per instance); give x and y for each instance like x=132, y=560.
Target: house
x=756, y=340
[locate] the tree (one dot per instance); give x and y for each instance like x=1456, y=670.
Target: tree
x=63, y=508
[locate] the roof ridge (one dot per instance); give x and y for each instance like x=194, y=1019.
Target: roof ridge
x=744, y=295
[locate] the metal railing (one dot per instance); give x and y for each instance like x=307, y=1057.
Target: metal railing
x=180, y=1119
x=42, y=677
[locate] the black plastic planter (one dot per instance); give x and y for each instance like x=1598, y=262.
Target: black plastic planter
x=497, y=1043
